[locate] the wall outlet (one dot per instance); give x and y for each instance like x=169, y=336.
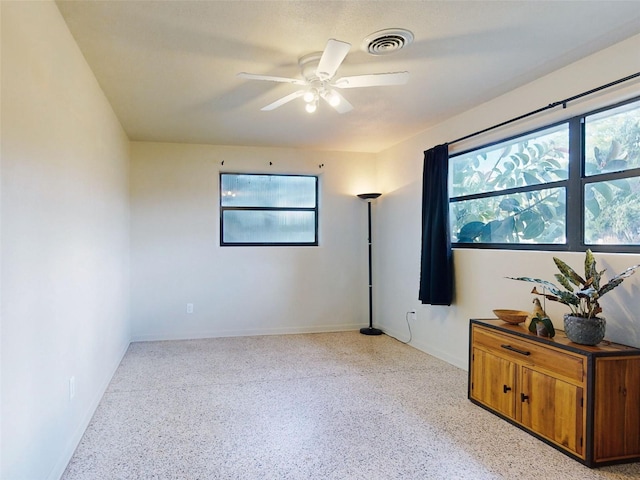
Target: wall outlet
x=189, y=307
x=412, y=315
x=72, y=388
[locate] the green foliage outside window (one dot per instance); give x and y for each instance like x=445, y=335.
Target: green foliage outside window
x=612, y=207
x=528, y=216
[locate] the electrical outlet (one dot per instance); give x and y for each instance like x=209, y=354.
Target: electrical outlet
x=189, y=307
x=72, y=388
x=412, y=315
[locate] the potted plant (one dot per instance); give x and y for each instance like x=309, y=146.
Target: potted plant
x=582, y=295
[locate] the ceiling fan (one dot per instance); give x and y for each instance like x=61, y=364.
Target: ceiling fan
x=319, y=72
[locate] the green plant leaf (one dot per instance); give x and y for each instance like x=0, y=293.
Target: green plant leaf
x=534, y=228
x=510, y=204
x=617, y=280
x=610, y=286
x=553, y=289
x=563, y=281
x=555, y=163
x=590, y=271
x=498, y=231
x=615, y=166
x=540, y=148
x=605, y=190
x=470, y=231
x=546, y=211
x=622, y=183
x=569, y=272
x=593, y=206
x=614, y=151
x=530, y=179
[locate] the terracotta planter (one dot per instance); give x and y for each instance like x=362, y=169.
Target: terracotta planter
x=585, y=331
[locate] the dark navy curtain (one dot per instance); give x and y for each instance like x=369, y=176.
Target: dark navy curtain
x=436, y=269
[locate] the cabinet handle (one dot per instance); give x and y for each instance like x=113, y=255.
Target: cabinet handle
x=513, y=349
x=505, y=389
x=524, y=398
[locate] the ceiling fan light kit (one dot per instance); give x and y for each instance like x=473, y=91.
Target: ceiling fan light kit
x=319, y=71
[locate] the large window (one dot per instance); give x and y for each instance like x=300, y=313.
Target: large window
x=566, y=187
x=268, y=209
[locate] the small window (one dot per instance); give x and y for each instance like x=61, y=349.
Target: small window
x=265, y=209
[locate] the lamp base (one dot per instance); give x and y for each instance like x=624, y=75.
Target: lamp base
x=370, y=331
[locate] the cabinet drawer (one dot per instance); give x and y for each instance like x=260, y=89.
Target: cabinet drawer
x=530, y=353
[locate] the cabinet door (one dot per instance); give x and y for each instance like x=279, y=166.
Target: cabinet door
x=493, y=382
x=617, y=408
x=552, y=408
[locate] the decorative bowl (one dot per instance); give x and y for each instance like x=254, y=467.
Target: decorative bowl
x=511, y=316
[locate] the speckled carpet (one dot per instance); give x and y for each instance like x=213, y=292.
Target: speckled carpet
x=318, y=406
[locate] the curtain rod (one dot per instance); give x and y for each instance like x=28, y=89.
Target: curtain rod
x=548, y=107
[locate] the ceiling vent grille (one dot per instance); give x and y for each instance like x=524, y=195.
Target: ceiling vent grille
x=387, y=41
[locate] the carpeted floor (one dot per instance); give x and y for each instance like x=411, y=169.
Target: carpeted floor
x=318, y=406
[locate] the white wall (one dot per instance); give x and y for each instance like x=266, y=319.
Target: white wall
x=176, y=257
x=65, y=240
x=480, y=285
x=64, y=251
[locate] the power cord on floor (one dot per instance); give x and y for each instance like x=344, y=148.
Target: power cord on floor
x=406, y=317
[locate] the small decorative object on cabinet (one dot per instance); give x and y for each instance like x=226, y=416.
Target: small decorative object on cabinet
x=582, y=400
x=582, y=325
x=542, y=326
x=511, y=316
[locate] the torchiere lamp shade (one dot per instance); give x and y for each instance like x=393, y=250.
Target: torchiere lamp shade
x=369, y=196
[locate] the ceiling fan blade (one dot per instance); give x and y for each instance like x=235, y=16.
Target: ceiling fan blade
x=373, y=80
x=283, y=100
x=333, y=55
x=270, y=78
x=342, y=107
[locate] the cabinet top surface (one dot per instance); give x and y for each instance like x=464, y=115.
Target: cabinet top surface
x=560, y=340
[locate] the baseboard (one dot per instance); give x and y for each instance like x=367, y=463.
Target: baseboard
x=426, y=348
x=74, y=441
x=152, y=337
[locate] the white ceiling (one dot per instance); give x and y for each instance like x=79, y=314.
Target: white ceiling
x=169, y=67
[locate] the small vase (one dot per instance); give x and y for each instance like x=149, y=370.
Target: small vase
x=585, y=331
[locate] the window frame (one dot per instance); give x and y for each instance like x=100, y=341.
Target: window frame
x=314, y=209
x=574, y=193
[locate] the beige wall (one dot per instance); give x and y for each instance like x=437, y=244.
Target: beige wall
x=480, y=284
x=176, y=256
x=64, y=223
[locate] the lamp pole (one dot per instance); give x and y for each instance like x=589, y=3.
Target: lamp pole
x=370, y=330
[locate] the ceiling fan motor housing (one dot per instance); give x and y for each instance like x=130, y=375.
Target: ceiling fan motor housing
x=308, y=65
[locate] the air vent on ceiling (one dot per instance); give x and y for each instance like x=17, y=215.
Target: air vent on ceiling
x=387, y=41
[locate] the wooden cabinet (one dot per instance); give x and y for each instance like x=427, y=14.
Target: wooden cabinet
x=582, y=400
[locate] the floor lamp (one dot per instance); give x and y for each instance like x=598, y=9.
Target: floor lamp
x=370, y=330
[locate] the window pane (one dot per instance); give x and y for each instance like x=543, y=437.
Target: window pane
x=612, y=140
x=535, y=159
x=250, y=226
x=527, y=217
x=284, y=191
x=612, y=212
